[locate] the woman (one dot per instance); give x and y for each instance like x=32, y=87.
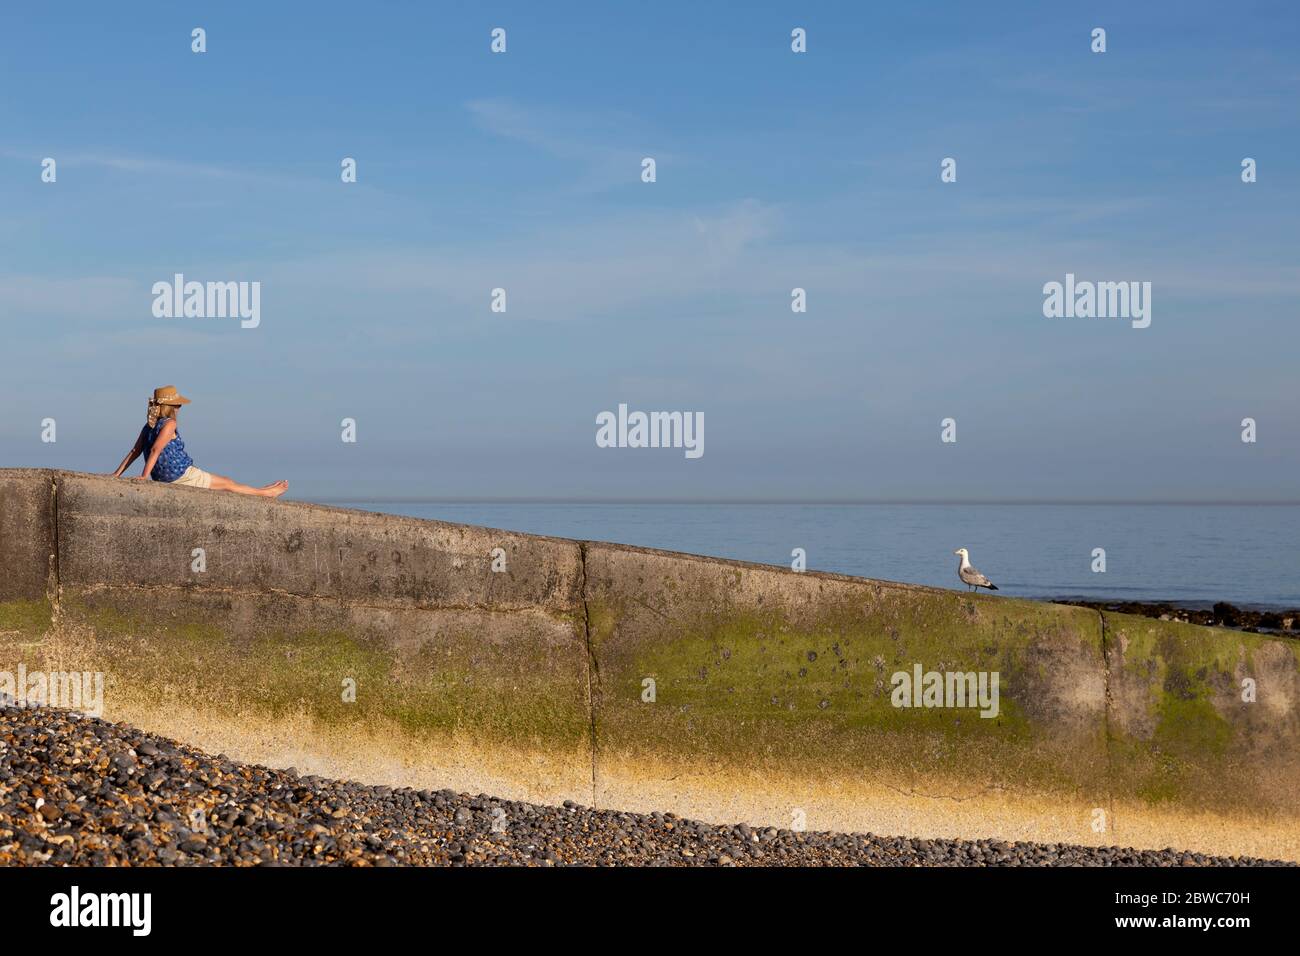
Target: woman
x=165, y=456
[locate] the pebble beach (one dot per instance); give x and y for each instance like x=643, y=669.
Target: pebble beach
x=81, y=791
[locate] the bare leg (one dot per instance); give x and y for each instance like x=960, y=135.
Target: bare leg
x=273, y=490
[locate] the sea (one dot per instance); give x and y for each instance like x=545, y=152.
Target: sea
x=1191, y=555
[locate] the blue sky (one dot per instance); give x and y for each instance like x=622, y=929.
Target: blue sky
x=774, y=170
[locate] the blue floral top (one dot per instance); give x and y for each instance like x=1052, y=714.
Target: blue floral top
x=173, y=461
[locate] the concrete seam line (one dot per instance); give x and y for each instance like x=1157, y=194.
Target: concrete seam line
x=1106, y=709
x=54, y=587
x=93, y=587
x=593, y=672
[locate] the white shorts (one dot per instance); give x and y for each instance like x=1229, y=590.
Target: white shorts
x=194, y=478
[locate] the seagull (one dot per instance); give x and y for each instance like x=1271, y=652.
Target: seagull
x=969, y=575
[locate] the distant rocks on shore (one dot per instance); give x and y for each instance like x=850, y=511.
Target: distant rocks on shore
x=1222, y=614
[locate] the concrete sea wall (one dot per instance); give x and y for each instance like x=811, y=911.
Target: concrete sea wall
x=389, y=650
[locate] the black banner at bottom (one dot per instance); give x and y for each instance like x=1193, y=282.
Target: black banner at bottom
x=336, y=905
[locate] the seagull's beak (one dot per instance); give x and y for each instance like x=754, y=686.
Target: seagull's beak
x=957, y=552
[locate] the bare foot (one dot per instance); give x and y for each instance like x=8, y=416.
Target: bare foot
x=274, y=490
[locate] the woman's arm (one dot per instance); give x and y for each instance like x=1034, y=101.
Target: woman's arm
x=133, y=454
x=165, y=434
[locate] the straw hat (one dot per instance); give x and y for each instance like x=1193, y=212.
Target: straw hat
x=167, y=395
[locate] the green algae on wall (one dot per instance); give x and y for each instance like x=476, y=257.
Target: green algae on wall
x=795, y=686
x=452, y=687
x=1202, y=717
x=26, y=618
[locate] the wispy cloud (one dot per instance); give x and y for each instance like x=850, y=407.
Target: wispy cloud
x=624, y=265
x=605, y=147
x=147, y=165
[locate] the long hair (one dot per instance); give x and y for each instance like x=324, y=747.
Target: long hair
x=157, y=411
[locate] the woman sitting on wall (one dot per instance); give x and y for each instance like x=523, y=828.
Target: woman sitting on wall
x=165, y=455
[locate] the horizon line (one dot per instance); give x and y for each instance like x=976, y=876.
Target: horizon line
x=576, y=500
